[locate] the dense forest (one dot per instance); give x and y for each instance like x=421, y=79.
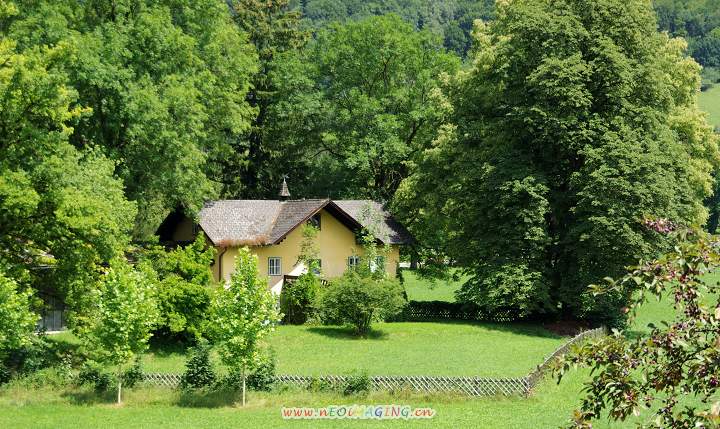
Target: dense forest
x=530, y=168
x=695, y=20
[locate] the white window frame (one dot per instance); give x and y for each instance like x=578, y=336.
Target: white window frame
x=378, y=263
x=353, y=261
x=274, y=266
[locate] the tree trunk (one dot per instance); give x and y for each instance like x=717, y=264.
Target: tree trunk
x=119, y=398
x=243, y=394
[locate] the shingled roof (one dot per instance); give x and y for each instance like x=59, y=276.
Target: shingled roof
x=264, y=222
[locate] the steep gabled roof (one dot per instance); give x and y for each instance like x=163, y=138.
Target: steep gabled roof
x=373, y=217
x=264, y=222
x=239, y=222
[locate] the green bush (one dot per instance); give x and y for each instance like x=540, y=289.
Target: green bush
x=95, y=375
x=263, y=376
x=39, y=353
x=357, y=384
x=5, y=375
x=319, y=385
x=184, y=287
x=359, y=300
x=199, y=372
x=133, y=375
x=297, y=299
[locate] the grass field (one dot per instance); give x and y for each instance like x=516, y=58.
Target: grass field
x=550, y=406
x=481, y=349
x=710, y=103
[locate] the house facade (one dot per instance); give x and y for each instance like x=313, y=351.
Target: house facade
x=272, y=230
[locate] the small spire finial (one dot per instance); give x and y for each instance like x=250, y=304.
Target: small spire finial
x=284, y=192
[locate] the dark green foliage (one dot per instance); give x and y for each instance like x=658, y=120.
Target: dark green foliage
x=262, y=377
x=555, y=156
x=39, y=353
x=184, y=287
x=359, y=301
x=133, y=375
x=697, y=21
x=449, y=20
x=95, y=375
x=199, y=371
x=5, y=374
x=432, y=310
x=297, y=299
x=260, y=162
x=164, y=83
x=357, y=384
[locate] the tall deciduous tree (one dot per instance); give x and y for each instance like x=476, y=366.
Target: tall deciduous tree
x=256, y=169
x=125, y=314
x=371, y=103
x=166, y=83
x=60, y=207
x=242, y=314
x=576, y=120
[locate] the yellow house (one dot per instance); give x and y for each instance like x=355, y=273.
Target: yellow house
x=272, y=230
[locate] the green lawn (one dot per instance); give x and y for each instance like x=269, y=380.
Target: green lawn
x=550, y=407
x=480, y=349
x=710, y=103
x=485, y=347
x=419, y=289
x=452, y=348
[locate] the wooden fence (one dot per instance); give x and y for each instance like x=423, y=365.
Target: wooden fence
x=416, y=311
x=470, y=386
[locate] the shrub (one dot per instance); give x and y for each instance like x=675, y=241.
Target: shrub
x=133, y=375
x=297, y=299
x=357, y=384
x=199, y=371
x=17, y=320
x=184, y=292
x=95, y=375
x=263, y=375
x=319, y=385
x=358, y=301
x=5, y=375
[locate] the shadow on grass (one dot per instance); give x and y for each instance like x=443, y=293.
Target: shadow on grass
x=166, y=347
x=90, y=397
x=528, y=329
x=208, y=399
x=347, y=333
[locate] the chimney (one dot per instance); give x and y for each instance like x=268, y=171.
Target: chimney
x=284, y=192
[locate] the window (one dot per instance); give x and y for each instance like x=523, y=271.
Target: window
x=353, y=262
x=274, y=266
x=378, y=263
x=315, y=221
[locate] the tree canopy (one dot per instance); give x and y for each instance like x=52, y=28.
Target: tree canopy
x=576, y=120
x=163, y=85
x=60, y=206
x=368, y=100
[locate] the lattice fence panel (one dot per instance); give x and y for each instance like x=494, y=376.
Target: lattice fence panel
x=535, y=376
x=470, y=386
x=162, y=380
